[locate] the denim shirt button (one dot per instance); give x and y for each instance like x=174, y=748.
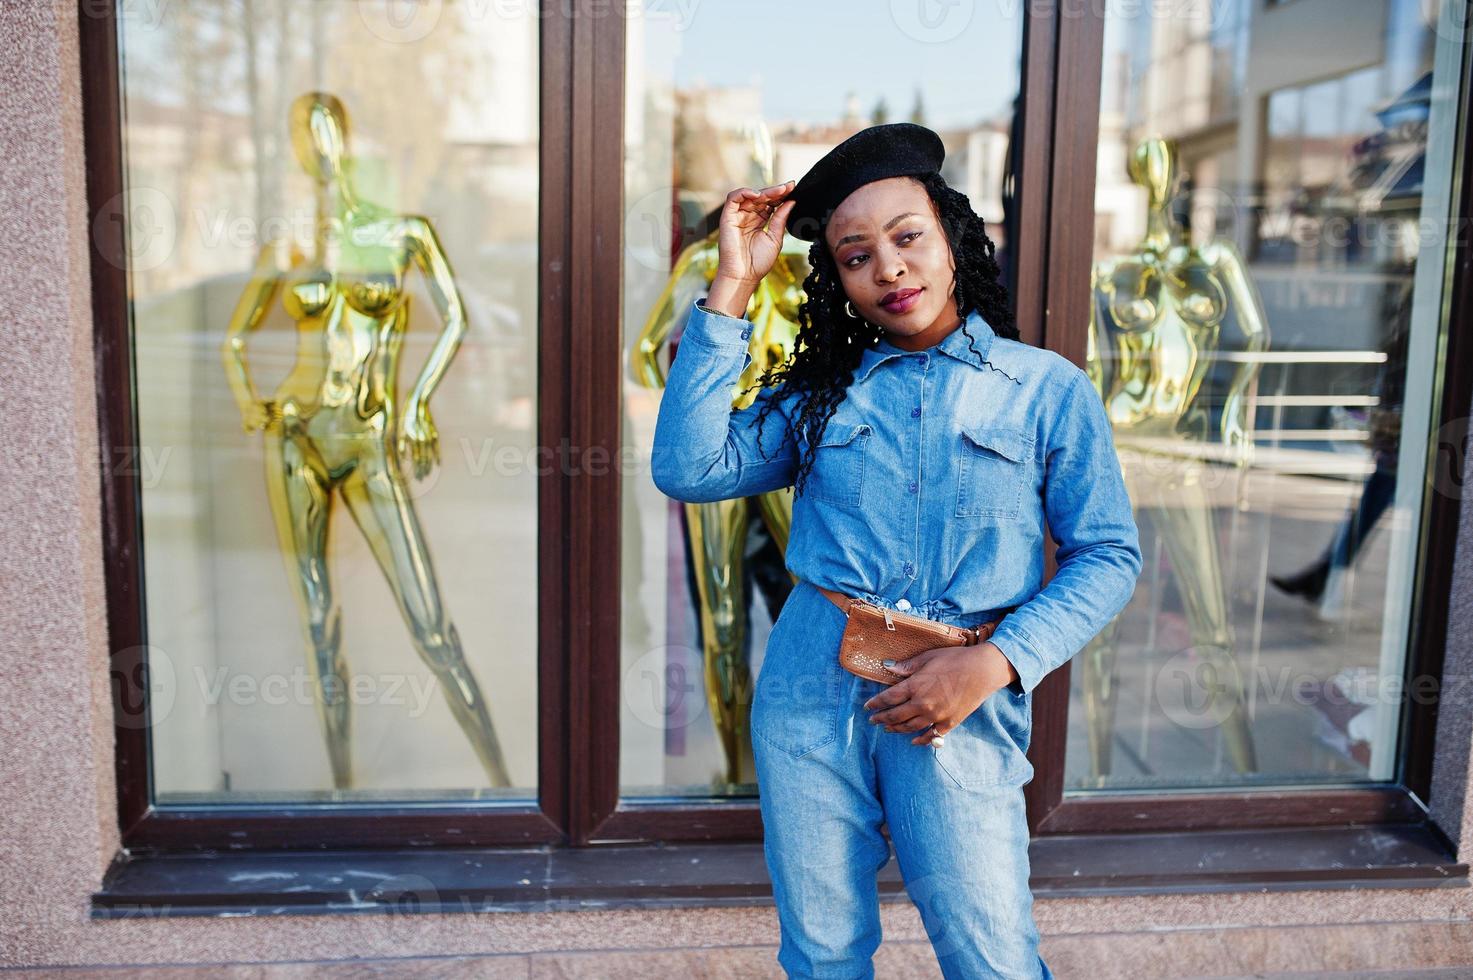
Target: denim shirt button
x=914, y=486
x=909, y=568
x=915, y=413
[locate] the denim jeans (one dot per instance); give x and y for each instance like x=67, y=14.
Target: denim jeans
x=933, y=485
x=1376, y=495
x=828, y=778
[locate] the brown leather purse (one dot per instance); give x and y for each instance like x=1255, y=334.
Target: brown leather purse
x=876, y=633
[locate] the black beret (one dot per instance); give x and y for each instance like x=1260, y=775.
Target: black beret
x=891, y=150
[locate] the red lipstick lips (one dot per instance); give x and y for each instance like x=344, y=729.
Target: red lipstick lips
x=900, y=300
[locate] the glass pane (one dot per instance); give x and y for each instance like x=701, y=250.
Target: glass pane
x=703, y=583
x=1271, y=215
x=338, y=566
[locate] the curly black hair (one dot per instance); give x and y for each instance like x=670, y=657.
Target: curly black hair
x=830, y=342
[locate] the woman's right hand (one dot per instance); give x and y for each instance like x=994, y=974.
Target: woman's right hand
x=750, y=235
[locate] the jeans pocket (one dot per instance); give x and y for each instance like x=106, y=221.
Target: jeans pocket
x=796, y=700
x=1017, y=716
x=989, y=748
x=993, y=468
x=837, y=475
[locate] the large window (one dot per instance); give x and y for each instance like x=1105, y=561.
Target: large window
x=1272, y=210
x=332, y=250
x=703, y=583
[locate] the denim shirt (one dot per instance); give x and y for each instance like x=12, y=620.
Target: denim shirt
x=931, y=485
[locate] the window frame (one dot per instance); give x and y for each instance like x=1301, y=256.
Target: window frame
x=580, y=379
x=1076, y=134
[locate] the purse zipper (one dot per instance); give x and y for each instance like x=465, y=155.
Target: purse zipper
x=940, y=629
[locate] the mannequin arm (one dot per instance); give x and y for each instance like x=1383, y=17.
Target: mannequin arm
x=699, y=257
x=1243, y=298
x=430, y=257
x=250, y=310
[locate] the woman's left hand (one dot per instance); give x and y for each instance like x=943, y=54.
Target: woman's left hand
x=942, y=686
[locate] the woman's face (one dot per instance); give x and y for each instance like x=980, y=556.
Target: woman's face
x=894, y=261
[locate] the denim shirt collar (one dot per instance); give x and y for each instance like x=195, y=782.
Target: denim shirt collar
x=955, y=344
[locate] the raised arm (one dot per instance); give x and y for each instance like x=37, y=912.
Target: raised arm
x=703, y=450
x=665, y=314
x=1099, y=558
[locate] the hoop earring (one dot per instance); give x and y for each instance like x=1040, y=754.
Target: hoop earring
x=849, y=309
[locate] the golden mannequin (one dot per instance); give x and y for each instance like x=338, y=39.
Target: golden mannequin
x=718, y=530
x=1155, y=321
x=333, y=427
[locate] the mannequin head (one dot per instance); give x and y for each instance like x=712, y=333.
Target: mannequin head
x=319, y=129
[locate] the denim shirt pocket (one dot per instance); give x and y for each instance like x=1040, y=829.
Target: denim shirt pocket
x=994, y=464
x=839, y=463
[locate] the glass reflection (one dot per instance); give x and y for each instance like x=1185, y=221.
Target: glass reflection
x=317, y=266
x=1257, y=322
x=703, y=583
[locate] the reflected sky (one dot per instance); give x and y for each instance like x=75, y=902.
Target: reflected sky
x=807, y=57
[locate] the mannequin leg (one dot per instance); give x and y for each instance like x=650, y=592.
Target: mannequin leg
x=301, y=507
x=379, y=501
x=777, y=511
x=1182, y=513
x=767, y=558
x=717, y=538
x=1099, y=666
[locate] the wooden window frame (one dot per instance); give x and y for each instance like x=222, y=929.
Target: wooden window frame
x=580, y=379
